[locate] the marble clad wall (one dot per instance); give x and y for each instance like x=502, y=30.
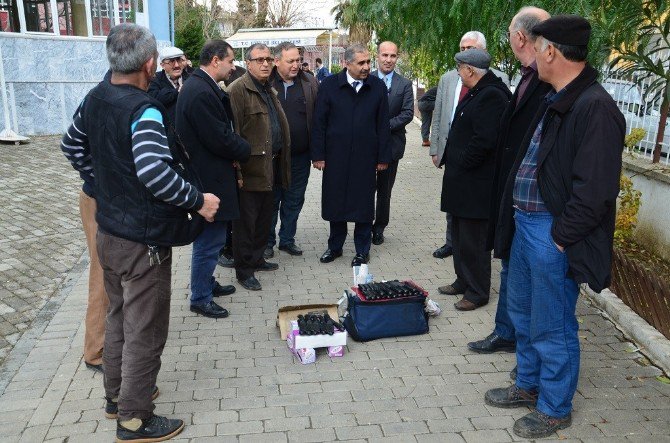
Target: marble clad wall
x=47, y=77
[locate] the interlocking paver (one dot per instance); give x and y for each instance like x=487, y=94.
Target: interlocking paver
x=234, y=380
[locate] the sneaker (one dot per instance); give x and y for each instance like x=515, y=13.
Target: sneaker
x=539, y=425
x=112, y=405
x=512, y=397
x=154, y=428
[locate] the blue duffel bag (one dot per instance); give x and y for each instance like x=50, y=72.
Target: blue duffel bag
x=370, y=320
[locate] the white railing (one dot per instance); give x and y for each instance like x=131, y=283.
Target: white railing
x=640, y=111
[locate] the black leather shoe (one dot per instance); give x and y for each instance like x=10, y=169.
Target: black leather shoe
x=226, y=262
x=359, y=259
x=443, y=251
x=329, y=256
x=211, y=310
x=511, y=397
x=251, y=284
x=227, y=251
x=220, y=290
x=112, y=407
x=96, y=368
x=512, y=373
x=538, y=425
x=292, y=249
x=267, y=266
x=492, y=343
x=269, y=252
x=377, y=238
x=154, y=428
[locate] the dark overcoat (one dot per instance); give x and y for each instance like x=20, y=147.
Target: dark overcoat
x=205, y=126
x=161, y=89
x=470, y=150
x=514, y=123
x=578, y=169
x=350, y=132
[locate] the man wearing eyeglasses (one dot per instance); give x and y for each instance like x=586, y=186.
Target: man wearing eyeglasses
x=166, y=85
x=297, y=94
x=450, y=92
x=259, y=119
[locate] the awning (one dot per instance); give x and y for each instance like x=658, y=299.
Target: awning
x=272, y=37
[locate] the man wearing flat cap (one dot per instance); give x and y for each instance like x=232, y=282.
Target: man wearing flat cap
x=557, y=220
x=468, y=174
x=166, y=85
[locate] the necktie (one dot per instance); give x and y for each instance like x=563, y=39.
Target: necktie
x=387, y=80
x=176, y=84
x=355, y=84
x=464, y=92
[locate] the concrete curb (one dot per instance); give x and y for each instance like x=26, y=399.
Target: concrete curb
x=651, y=342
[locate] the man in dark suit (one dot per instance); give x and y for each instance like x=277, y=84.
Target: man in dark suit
x=514, y=124
x=468, y=174
x=401, y=112
x=166, y=85
x=350, y=143
x=205, y=125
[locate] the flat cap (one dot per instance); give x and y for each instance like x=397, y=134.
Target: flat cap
x=477, y=58
x=170, y=52
x=571, y=30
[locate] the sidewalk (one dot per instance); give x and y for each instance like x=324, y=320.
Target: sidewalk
x=234, y=380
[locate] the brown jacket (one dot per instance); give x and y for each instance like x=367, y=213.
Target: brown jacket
x=252, y=122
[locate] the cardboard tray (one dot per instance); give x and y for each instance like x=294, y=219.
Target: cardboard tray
x=288, y=313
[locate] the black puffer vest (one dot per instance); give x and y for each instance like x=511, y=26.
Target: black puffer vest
x=126, y=208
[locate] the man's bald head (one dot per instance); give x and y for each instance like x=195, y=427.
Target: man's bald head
x=527, y=18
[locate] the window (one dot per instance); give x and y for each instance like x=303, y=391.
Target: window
x=9, y=16
x=38, y=15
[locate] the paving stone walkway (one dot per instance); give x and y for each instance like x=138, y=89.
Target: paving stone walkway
x=234, y=379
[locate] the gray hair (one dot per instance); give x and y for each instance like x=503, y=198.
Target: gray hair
x=129, y=46
x=526, y=19
x=476, y=36
x=281, y=47
x=352, y=50
x=479, y=71
x=261, y=46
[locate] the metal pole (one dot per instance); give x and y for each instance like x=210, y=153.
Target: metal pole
x=7, y=134
x=330, y=50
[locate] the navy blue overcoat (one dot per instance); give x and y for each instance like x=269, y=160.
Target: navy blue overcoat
x=350, y=132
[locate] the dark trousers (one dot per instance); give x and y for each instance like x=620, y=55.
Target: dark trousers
x=137, y=322
x=385, y=181
x=362, y=236
x=251, y=231
x=288, y=202
x=426, y=118
x=206, y=248
x=472, y=262
x=450, y=228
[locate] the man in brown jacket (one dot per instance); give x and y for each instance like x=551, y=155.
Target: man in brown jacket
x=260, y=120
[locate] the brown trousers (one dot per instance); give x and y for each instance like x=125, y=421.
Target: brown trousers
x=137, y=321
x=98, y=302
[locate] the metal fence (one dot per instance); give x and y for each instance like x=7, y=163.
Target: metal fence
x=641, y=110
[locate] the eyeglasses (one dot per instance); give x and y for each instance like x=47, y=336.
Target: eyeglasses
x=260, y=60
x=463, y=48
x=171, y=61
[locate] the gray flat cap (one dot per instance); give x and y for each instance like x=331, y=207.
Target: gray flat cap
x=477, y=58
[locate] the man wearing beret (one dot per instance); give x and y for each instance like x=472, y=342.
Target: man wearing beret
x=468, y=174
x=557, y=216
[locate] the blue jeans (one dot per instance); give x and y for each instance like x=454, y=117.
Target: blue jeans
x=206, y=249
x=288, y=202
x=541, y=303
x=504, y=327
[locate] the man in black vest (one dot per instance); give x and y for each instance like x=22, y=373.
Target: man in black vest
x=205, y=125
x=117, y=140
x=297, y=94
x=514, y=125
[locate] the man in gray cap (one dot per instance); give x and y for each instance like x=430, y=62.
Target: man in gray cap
x=166, y=85
x=557, y=216
x=468, y=174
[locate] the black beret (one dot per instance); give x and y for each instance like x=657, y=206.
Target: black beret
x=571, y=30
x=474, y=57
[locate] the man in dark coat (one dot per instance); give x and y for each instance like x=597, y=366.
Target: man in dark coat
x=205, y=125
x=166, y=85
x=468, y=175
x=426, y=105
x=350, y=136
x=296, y=92
x=559, y=203
x=401, y=113
x=515, y=122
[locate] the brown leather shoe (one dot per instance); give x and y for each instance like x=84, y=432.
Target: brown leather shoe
x=449, y=290
x=465, y=305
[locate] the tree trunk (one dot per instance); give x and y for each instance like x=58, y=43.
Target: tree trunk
x=661, y=125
